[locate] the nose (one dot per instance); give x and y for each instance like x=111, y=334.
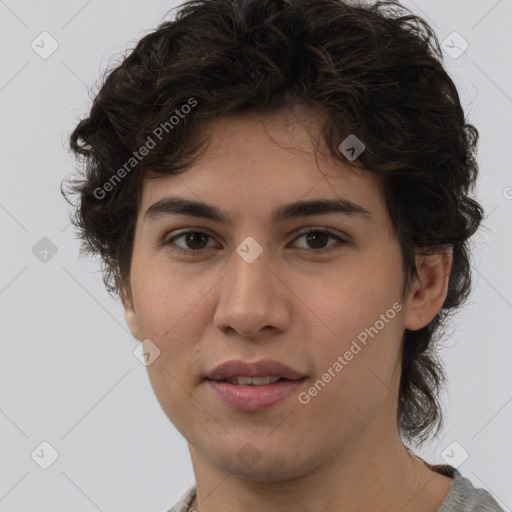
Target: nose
x=254, y=301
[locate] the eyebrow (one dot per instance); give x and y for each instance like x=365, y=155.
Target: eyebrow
x=181, y=206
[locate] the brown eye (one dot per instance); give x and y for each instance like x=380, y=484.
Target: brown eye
x=194, y=241
x=317, y=239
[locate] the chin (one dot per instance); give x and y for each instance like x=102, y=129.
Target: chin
x=264, y=472
x=263, y=465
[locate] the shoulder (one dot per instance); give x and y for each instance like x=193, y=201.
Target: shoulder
x=462, y=497
x=465, y=497
x=185, y=501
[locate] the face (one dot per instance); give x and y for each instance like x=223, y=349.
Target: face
x=307, y=301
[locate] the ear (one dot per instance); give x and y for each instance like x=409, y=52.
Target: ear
x=130, y=314
x=429, y=290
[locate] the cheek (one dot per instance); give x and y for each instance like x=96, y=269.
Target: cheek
x=165, y=298
x=348, y=299
x=167, y=305
x=174, y=310
x=353, y=378
x=358, y=328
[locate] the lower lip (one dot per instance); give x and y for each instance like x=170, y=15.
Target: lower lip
x=254, y=398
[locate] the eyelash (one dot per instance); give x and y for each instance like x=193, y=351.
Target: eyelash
x=169, y=243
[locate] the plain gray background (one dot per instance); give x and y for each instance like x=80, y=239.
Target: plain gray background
x=68, y=373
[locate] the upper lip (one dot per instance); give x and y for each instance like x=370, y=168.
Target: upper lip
x=263, y=368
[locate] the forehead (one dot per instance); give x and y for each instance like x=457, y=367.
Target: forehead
x=253, y=163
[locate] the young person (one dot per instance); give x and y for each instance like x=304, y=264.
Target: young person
x=280, y=194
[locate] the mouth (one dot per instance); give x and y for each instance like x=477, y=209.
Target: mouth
x=252, y=381
x=253, y=386
x=257, y=373
x=254, y=397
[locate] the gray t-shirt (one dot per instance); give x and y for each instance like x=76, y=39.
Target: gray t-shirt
x=462, y=497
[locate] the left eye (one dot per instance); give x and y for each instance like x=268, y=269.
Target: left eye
x=319, y=236
x=198, y=238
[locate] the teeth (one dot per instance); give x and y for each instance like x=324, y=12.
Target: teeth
x=252, y=381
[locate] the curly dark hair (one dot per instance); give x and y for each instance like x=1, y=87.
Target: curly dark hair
x=371, y=70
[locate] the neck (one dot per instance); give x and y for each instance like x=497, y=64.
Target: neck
x=390, y=478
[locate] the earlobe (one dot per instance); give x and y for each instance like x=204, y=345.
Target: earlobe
x=429, y=290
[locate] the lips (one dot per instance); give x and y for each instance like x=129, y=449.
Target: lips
x=252, y=390
x=263, y=368
x=254, y=398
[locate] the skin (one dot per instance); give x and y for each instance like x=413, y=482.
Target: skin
x=292, y=304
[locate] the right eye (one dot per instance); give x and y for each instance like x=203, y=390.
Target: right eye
x=192, y=238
